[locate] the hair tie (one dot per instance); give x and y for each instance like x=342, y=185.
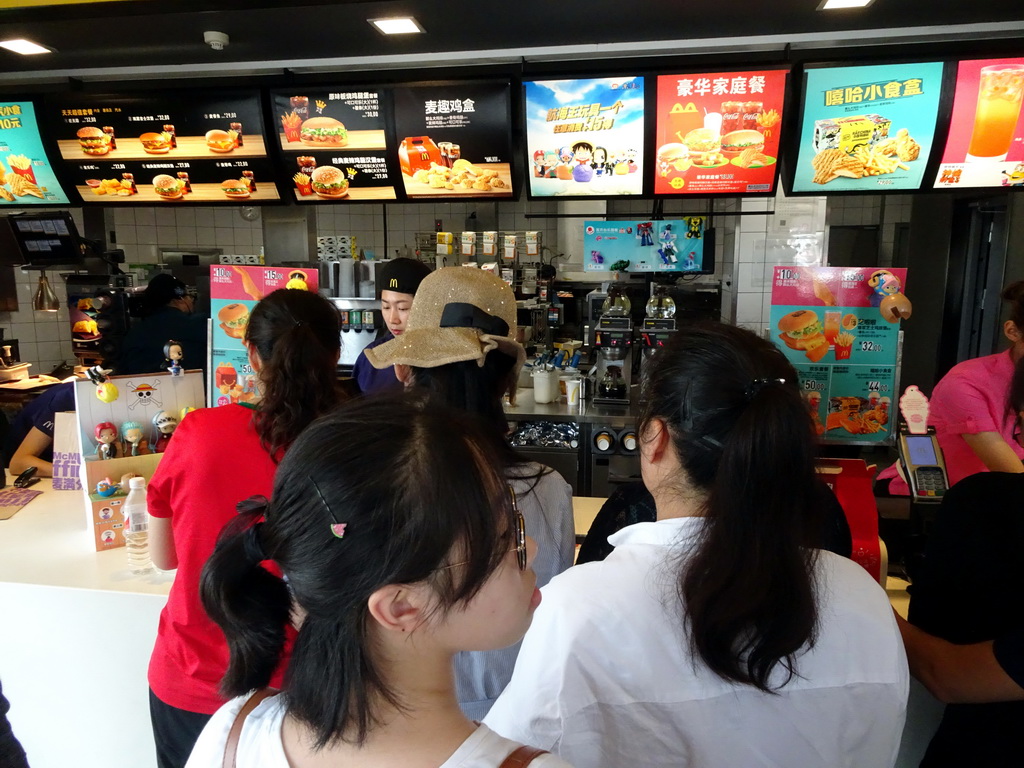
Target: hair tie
x=252, y=544
x=756, y=385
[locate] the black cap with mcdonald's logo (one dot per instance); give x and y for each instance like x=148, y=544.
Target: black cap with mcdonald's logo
x=401, y=276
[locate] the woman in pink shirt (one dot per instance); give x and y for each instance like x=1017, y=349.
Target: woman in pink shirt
x=975, y=422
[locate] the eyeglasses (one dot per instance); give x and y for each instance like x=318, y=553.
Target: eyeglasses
x=519, y=526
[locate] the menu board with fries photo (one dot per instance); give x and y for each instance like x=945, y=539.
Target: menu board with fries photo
x=718, y=133
x=26, y=177
x=836, y=326
x=867, y=129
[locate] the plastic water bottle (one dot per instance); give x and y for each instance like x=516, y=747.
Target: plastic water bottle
x=136, y=527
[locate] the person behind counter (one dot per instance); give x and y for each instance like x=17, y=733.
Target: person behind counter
x=389, y=574
x=398, y=281
x=459, y=349
x=167, y=313
x=29, y=442
x=975, y=423
x=719, y=635
x=217, y=457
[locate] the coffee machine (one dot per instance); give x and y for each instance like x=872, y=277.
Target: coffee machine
x=613, y=342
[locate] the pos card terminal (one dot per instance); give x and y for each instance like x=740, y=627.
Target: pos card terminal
x=923, y=466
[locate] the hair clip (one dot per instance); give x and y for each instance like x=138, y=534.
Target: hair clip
x=338, y=529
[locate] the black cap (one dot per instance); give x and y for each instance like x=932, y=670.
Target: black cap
x=401, y=276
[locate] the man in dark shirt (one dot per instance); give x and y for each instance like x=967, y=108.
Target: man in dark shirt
x=167, y=311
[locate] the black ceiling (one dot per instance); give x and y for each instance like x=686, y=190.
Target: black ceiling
x=113, y=41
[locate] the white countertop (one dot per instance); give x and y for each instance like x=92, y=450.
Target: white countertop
x=48, y=543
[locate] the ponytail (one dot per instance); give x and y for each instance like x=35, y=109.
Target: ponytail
x=251, y=605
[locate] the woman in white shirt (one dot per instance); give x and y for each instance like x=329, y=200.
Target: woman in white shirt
x=387, y=574
x=717, y=636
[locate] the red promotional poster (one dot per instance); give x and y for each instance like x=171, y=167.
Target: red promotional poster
x=718, y=133
x=985, y=147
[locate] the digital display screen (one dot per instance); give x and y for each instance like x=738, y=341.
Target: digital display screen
x=921, y=451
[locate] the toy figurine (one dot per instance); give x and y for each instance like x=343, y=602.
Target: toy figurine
x=133, y=439
x=173, y=354
x=106, y=440
x=165, y=425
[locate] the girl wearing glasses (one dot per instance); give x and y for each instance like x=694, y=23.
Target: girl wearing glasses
x=459, y=349
x=387, y=574
x=719, y=635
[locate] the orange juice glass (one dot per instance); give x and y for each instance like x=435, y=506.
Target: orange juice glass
x=832, y=327
x=999, y=102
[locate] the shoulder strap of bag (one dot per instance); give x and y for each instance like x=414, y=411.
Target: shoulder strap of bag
x=522, y=757
x=231, y=747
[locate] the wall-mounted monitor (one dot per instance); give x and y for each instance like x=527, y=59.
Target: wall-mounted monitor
x=26, y=174
x=585, y=138
x=718, y=133
x=866, y=128
x=164, y=148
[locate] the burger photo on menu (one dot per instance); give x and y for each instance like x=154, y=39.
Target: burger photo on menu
x=236, y=188
x=803, y=331
x=233, y=320
x=93, y=141
x=329, y=182
x=323, y=132
x=168, y=187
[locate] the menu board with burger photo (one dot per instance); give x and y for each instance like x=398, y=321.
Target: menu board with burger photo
x=334, y=144
x=985, y=147
x=585, y=138
x=195, y=147
x=718, y=133
x=454, y=140
x=26, y=177
x=839, y=327
x=234, y=291
x=867, y=129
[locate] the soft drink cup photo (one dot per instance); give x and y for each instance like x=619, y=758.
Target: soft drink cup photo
x=999, y=100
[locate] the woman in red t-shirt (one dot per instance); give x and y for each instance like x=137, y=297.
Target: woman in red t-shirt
x=218, y=457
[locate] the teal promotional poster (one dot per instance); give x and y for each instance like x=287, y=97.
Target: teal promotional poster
x=26, y=176
x=831, y=324
x=645, y=246
x=867, y=129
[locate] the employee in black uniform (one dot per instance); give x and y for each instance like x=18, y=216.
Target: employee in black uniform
x=167, y=313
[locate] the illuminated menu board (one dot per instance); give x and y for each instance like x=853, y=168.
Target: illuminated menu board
x=167, y=148
x=585, y=138
x=26, y=177
x=718, y=133
x=867, y=129
x=334, y=144
x=985, y=147
x=454, y=140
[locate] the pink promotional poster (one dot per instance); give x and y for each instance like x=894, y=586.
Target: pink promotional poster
x=234, y=291
x=985, y=147
x=839, y=327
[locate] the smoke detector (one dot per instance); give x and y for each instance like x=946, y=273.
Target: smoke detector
x=216, y=40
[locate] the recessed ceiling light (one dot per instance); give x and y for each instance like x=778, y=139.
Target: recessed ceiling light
x=832, y=5
x=25, y=47
x=402, y=26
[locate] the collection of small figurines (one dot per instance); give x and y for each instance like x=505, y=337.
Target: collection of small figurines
x=173, y=353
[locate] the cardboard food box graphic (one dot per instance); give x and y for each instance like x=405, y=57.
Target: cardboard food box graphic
x=848, y=133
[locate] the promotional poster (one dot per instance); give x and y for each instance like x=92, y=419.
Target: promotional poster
x=585, y=137
x=234, y=291
x=165, y=148
x=829, y=323
x=334, y=144
x=867, y=129
x=644, y=246
x=26, y=177
x=718, y=133
x=985, y=147
x=454, y=140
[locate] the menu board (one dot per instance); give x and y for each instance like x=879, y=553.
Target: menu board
x=645, y=246
x=234, y=291
x=828, y=323
x=165, y=148
x=867, y=129
x=453, y=140
x=26, y=177
x=334, y=144
x=585, y=137
x=718, y=133
x=985, y=147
